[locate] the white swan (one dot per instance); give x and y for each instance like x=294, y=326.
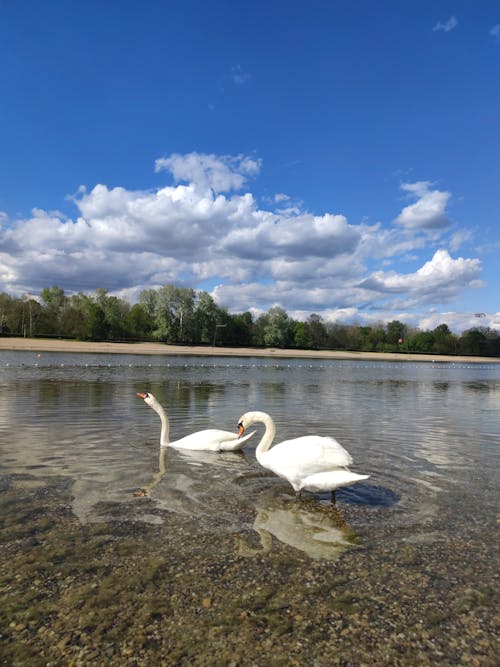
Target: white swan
x=213, y=440
x=311, y=462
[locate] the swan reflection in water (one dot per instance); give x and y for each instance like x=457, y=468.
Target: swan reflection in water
x=195, y=483
x=317, y=530
x=157, y=477
x=229, y=461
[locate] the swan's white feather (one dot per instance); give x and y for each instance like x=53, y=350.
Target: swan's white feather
x=212, y=439
x=311, y=462
x=313, y=453
x=330, y=480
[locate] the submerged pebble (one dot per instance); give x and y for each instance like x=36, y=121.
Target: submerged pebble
x=131, y=593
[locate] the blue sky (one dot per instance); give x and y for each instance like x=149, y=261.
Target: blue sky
x=339, y=158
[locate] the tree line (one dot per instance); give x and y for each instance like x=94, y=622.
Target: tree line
x=180, y=315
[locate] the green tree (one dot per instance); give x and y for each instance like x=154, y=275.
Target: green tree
x=354, y=337
x=301, y=337
x=115, y=312
x=317, y=332
x=14, y=317
x=174, y=314
x=96, y=319
x=185, y=307
x=396, y=331
x=279, y=329
x=147, y=300
x=259, y=329
x=206, y=317
x=139, y=323
x=75, y=317
x=241, y=329
x=337, y=336
x=423, y=341
x=53, y=303
x=367, y=338
x=473, y=341
x=444, y=341
x=6, y=309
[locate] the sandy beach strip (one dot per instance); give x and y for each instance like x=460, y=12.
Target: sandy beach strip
x=60, y=345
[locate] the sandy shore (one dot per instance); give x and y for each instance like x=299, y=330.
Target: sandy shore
x=58, y=345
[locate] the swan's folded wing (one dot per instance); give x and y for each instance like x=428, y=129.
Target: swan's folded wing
x=313, y=451
x=300, y=458
x=328, y=481
x=212, y=439
x=234, y=443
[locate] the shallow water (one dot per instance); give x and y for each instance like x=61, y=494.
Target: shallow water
x=426, y=433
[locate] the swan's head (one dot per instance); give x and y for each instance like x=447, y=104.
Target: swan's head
x=245, y=421
x=148, y=397
x=250, y=418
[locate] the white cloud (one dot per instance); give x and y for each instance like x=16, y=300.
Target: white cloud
x=495, y=31
x=191, y=233
x=428, y=212
x=460, y=237
x=460, y=321
x=439, y=280
x=280, y=197
x=446, y=26
x=220, y=173
x=301, y=236
x=238, y=76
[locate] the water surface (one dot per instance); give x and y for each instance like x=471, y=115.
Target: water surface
x=421, y=431
x=426, y=433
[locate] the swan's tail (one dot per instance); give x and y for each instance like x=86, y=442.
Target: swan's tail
x=246, y=437
x=329, y=481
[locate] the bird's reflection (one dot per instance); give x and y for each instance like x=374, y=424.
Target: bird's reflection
x=315, y=529
x=196, y=484
x=217, y=460
x=196, y=458
x=157, y=477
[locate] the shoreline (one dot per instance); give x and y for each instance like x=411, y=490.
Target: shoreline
x=86, y=347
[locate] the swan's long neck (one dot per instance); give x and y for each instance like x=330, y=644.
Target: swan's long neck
x=164, y=435
x=269, y=433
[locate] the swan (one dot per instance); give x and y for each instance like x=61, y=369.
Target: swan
x=213, y=440
x=311, y=462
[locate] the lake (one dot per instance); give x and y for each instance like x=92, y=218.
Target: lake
x=219, y=563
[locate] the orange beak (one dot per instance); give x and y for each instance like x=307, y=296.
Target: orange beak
x=241, y=430
x=141, y=394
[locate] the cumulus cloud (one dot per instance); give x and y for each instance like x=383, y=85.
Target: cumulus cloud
x=459, y=321
x=219, y=173
x=428, y=212
x=295, y=296
x=202, y=230
x=440, y=279
x=293, y=236
x=446, y=26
